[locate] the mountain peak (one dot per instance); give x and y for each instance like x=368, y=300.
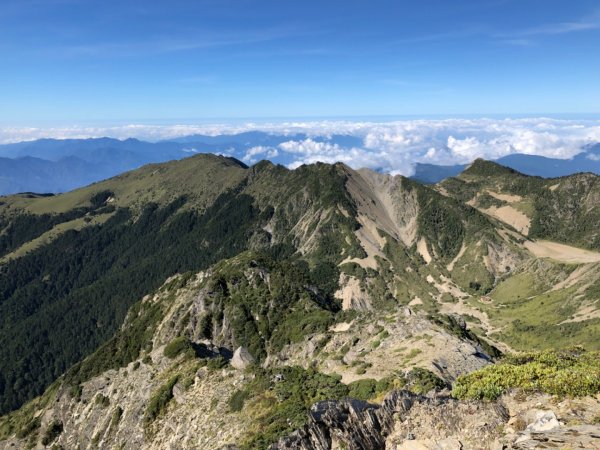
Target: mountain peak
x=482, y=167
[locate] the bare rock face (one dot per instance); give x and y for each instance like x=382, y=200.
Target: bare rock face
x=242, y=358
x=406, y=421
x=350, y=424
x=401, y=422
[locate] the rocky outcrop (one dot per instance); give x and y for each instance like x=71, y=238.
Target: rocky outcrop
x=356, y=425
x=351, y=424
x=242, y=358
x=579, y=436
x=406, y=421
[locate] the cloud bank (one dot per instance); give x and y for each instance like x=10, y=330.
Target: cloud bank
x=387, y=146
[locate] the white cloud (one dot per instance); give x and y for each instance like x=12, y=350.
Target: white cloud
x=264, y=152
x=393, y=146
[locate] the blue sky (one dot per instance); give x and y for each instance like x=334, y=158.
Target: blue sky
x=77, y=61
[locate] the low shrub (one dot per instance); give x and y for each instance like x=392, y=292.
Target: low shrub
x=102, y=400
x=177, y=346
x=362, y=389
x=28, y=428
x=52, y=432
x=421, y=381
x=565, y=373
x=159, y=401
x=283, y=396
x=216, y=363
x=237, y=399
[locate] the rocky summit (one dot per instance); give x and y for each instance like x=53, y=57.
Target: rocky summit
x=205, y=304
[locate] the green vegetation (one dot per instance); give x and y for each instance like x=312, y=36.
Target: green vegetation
x=422, y=381
x=16, y=231
x=237, y=399
x=418, y=380
x=116, y=417
x=571, y=373
x=215, y=363
x=56, y=312
x=54, y=430
x=265, y=316
x=159, y=400
x=441, y=223
x=124, y=347
x=283, y=397
x=486, y=201
x=177, y=346
x=29, y=428
x=103, y=270
x=519, y=286
x=102, y=400
x=566, y=213
x=23, y=423
x=517, y=301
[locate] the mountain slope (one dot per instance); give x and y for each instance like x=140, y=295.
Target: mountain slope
x=121, y=238
x=561, y=209
x=109, y=399
x=554, y=220
x=344, y=282
x=156, y=222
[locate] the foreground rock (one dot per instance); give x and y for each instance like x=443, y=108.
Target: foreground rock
x=242, y=358
x=404, y=420
x=574, y=437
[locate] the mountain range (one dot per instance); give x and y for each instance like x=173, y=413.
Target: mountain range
x=205, y=303
x=55, y=165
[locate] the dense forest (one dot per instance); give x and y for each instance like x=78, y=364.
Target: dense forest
x=87, y=280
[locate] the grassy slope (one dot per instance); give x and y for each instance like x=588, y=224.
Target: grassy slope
x=528, y=310
x=202, y=176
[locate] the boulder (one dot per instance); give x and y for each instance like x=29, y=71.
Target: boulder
x=540, y=420
x=242, y=358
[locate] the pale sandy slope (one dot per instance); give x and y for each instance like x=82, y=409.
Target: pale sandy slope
x=561, y=252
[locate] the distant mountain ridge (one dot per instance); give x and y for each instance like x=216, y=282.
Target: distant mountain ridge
x=61, y=165
x=534, y=165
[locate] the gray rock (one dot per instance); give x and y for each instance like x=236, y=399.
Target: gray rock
x=540, y=421
x=242, y=358
x=580, y=436
x=350, y=424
